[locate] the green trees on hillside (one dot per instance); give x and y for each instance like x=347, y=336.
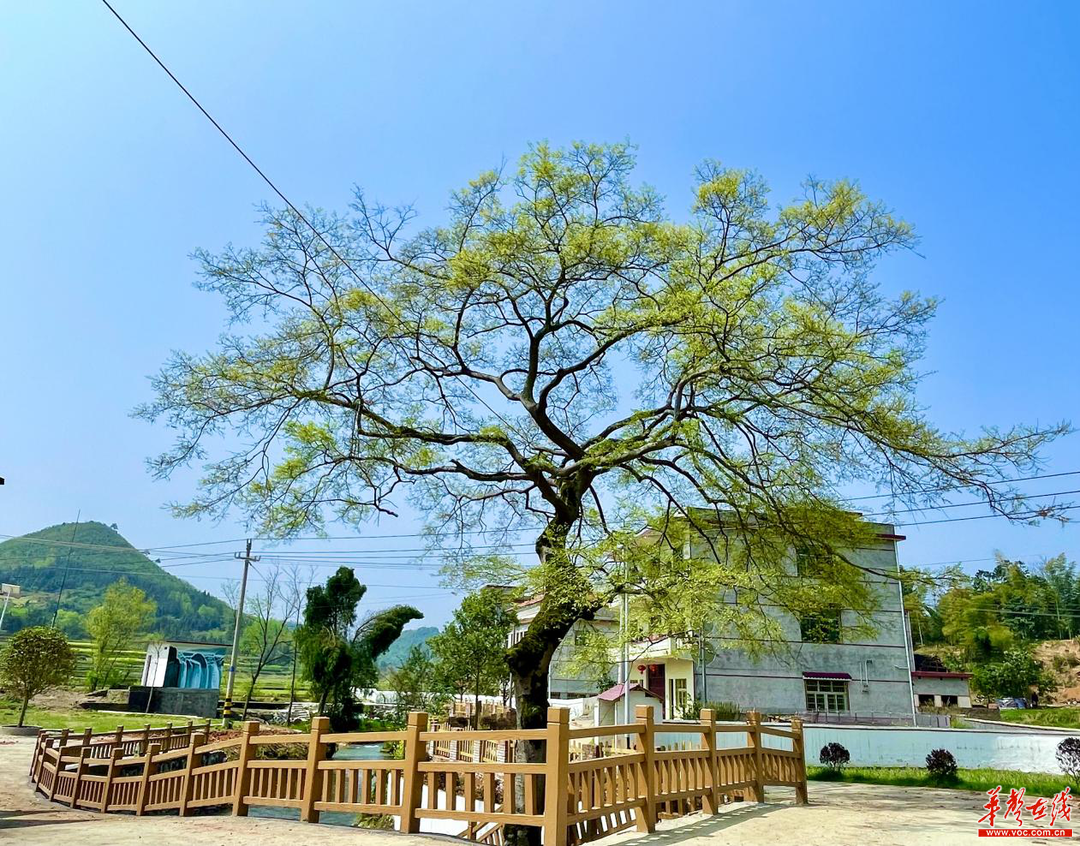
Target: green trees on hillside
x=124, y=612
x=338, y=653
x=984, y=615
x=87, y=559
x=35, y=660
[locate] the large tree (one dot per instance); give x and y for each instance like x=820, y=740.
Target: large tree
x=560, y=357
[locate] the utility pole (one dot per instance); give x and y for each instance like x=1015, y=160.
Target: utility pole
x=247, y=558
x=67, y=563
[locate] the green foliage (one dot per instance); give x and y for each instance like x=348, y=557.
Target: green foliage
x=470, y=652
x=35, y=660
x=336, y=654
x=633, y=367
x=125, y=611
x=416, y=685
x=1015, y=675
x=41, y=560
x=978, y=780
x=722, y=711
x=941, y=766
x=834, y=756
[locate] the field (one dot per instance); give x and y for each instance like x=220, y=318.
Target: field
x=1049, y=717
x=979, y=780
x=77, y=718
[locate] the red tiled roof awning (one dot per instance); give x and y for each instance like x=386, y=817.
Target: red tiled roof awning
x=615, y=693
x=827, y=676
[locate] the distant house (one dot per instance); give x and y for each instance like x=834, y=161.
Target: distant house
x=936, y=687
x=179, y=677
x=834, y=670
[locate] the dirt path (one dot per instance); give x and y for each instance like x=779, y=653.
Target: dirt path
x=840, y=815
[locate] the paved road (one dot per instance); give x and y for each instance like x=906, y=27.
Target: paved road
x=839, y=815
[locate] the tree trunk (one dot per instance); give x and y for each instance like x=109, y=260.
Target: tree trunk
x=530, y=659
x=22, y=713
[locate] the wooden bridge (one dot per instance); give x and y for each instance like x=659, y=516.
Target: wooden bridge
x=177, y=770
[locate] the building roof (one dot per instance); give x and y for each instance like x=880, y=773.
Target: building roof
x=936, y=674
x=615, y=693
x=170, y=642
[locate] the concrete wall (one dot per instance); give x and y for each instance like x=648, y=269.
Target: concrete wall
x=189, y=701
x=938, y=687
x=876, y=659
x=888, y=746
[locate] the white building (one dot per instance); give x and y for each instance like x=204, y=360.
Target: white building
x=832, y=666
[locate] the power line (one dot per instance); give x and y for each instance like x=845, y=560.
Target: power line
x=288, y=202
x=1018, y=498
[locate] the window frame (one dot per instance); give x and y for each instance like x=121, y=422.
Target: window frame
x=832, y=693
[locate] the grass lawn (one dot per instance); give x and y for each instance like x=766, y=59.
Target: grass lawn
x=1037, y=784
x=1051, y=717
x=77, y=718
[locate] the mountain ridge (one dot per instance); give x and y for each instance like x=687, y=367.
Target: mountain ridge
x=84, y=559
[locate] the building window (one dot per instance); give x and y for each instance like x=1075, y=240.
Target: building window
x=926, y=700
x=826, y=695
x=949, y=701
x=810, y=562
x=822, y=627
x=678, y=698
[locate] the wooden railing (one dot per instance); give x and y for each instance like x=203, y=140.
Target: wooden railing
x=177, y=770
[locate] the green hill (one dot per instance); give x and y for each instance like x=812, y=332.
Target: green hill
x=94, y=556
x=397, y=653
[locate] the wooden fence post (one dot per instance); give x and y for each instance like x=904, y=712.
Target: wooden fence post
x=110, y=773
x=59, y=763
x=118, y=739
x=645, y=743
x=86, y=736
x=753, y=735
x=144, y=784
x=45, y=747
x=37, y=751
x=556, y=777
x=711, y=800
x=243, y=773
x=144, y=744
x=194, y=739
x=166, y=744
x=412, y=792
x=798, y=744
x=316, y=753
x=79, y=771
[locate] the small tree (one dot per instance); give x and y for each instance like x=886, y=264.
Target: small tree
x=35, y=660
x=266, y=639
x=1068, y=757
x=1014, y=675
x=338, y=655
x=416, y=684
x=941, y=766
x=470, y=652
x=834, y=756
x=125, y=611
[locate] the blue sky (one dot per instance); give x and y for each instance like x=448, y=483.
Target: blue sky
x=962, y=116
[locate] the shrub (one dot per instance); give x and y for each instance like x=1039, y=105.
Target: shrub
x=941, y=765
x=376, y=821
x=834, y=756
x=1068, y=757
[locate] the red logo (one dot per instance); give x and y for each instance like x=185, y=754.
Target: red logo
x=1056, y=809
